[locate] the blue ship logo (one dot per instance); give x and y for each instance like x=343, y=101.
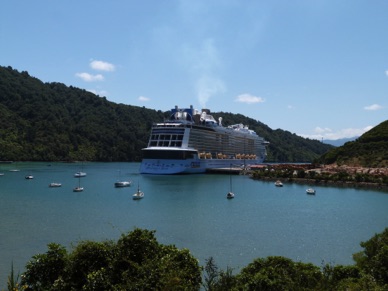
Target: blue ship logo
x=195, y=164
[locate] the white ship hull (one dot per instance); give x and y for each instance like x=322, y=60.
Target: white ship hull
x=171, y=167
x=192, y=166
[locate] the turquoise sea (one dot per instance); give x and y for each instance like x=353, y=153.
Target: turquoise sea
x=190, y=211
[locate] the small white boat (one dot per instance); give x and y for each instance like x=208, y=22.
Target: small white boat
x=120, y=184
x=230, y=194
x=29, y=177
x=310, y=191
x=78, y=188
x=1, y=174
x=80, y=174
x=278, y=183
x=138, y=195
x=53, y=185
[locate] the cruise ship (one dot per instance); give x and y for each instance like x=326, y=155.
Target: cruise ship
x=192, y=141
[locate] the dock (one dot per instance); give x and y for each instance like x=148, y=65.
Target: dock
x=234, y=171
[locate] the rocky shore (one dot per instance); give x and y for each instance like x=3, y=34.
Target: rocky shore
x=330, y=175
x=351, y=170
x=364, y=185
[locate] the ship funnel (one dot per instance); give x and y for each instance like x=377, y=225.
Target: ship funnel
x=220, y=121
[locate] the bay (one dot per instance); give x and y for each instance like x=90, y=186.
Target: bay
x=190, y=211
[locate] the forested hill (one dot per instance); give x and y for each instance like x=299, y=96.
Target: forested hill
x=50, y=121
x=369, y=150
x=53, y=122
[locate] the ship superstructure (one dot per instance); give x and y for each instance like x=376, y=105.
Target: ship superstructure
x=192, y=141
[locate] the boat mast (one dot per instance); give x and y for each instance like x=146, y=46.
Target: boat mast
x=230, y=177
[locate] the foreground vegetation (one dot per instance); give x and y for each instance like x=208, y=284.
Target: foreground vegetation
x=54, y=122
x=138, y=262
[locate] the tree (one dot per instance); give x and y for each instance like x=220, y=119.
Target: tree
x=373, y=260
x=136, y=262
x=211, y=274
x=278, y=273
x=217, y=280
x=334, y=276
x=44, y=269
x=87, y=259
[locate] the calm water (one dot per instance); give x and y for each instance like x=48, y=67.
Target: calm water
x=189, y=211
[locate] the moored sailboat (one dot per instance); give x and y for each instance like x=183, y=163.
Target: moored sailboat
x=139, y=194
x=230, y=194
x=310, y=191
x=120, y=184
x=78, y=188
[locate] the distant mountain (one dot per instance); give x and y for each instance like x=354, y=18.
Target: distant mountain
x=369, y=150
x=53, y=122
x=339, y=142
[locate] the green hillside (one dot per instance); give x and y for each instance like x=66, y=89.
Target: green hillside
x=50, y=121
x=369, y=150
x=53, y=122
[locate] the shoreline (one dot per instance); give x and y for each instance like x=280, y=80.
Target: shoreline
x=325, y=175
x=361, y=185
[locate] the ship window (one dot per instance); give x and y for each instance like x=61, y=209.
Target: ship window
x=165, y=155
x=175, y=144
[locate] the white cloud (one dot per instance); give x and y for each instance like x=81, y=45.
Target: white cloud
x=102, y=66
x=89, y=77
x=143, y=98
x=386, y=72
x=320, y=130
x=98, y=93
x=320, y=133
x=249, y=99
x=373, y=107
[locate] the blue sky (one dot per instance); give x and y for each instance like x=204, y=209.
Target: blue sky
x=316, y=68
